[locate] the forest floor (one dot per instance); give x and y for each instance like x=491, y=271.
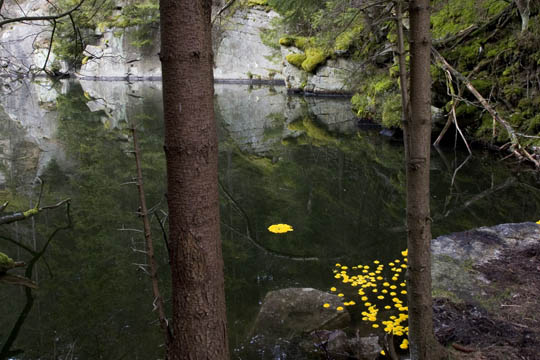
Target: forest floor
x=509, y=326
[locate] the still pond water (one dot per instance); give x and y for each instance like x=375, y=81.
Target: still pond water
x=283, y=159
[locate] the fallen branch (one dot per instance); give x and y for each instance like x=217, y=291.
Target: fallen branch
x=158, y=300
x=22, y=215
x=516, y=147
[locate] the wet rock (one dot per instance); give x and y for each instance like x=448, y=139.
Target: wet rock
x=289, y=312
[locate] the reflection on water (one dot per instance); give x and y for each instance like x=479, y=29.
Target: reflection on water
x=300, y=161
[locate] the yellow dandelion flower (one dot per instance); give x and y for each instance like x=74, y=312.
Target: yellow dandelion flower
x=344, y=267
x=404, y=292
x=364, y=298
x=338, y=265
x=384, y=291
x=376, y=262
x=333, y=289
x=326, y=305
x=339, y=308
x=403, y=284
x=375, y=325
x=374, y=290
x=385, y=284
x=387, y=307
x=340, y=295
x=367, y=304
x=391, y=264
x=397, y=260
x=393, y=287
x=380, y=297
x=280, y=228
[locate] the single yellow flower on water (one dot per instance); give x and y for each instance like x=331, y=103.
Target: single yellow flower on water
x=405, y=252
x=383, y=353
x=380, y=297
x=326, y=305
x=339, y=308
x=340, y=295
x=538, y=222
x=280, y=228
x=333, y=289
x=338, y=265
x=404, y=292
x=364, y=298
x=387, y=307
x=375, y=325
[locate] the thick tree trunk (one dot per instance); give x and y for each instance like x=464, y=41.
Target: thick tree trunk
x=418, y=138
x=199, y=321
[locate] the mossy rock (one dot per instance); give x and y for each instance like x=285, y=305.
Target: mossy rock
x=299, y=42
x=6, y=263
x=258, y=2
x=314, y=58
x=296, y=59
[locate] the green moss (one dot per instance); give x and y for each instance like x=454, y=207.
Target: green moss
x=346, y=38
x=30, y=212
x=300, y=42
x=258, y=2
x=5, y=262
x=483, y=85
x=296, y=59
x=453, y=16
x=391, y=114
x=314, y=58
x=286, y=41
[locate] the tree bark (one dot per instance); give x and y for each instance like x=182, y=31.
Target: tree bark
x=191, y=149
x=423, y=345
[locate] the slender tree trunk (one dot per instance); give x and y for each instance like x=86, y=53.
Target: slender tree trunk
x=423, y=345
x=199, y=321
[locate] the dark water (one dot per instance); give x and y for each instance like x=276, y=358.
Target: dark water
x=283, y=159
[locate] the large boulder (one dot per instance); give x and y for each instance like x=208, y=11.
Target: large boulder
x=287, y=313
x=456, y=257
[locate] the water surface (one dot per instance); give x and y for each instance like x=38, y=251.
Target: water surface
x=300, y=161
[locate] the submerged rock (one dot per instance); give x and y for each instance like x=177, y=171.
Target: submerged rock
x=289, y=312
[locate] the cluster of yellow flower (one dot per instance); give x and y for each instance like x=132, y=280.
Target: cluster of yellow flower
x=368, y=280
x=280, y=228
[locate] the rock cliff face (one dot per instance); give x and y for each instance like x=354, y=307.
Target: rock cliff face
x=24, y=46
x=28, y=124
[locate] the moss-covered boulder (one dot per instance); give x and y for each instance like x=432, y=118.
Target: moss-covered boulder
x=296, y=59
x=314, y=58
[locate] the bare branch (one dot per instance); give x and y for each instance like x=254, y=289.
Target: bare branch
x=42, y=18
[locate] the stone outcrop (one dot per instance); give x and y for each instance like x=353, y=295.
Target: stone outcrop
x=28, y=124
x=239, y=50
x=24, y=46
x=456, y=256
